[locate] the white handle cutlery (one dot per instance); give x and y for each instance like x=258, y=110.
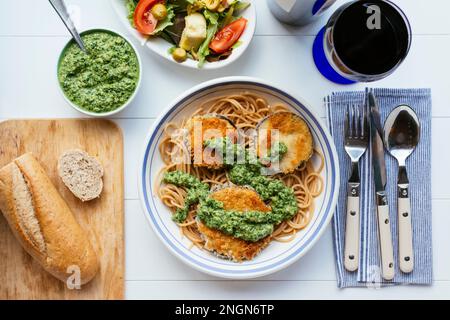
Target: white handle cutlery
x=356, y=142
x=400, y=136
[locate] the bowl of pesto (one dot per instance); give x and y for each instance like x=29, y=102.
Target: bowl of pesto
x=104, y=81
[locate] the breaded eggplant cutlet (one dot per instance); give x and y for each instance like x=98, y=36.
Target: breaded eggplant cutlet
x=293, y=132
x=240, y=199
x=204, y=128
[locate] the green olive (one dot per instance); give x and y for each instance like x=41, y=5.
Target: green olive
x=159, y=11
x=179, y=55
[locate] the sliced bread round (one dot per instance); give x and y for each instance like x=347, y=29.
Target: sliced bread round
x=81, y=173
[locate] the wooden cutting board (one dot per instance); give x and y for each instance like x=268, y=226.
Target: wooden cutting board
x=20, y=276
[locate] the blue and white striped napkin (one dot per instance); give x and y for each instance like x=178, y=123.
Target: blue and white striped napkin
x=419, y=172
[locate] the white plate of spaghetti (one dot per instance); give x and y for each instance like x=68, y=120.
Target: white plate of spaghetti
x=239, y=179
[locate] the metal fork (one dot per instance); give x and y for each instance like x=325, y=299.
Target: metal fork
x=356, y=143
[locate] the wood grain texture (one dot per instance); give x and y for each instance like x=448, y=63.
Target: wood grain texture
x=103, y=219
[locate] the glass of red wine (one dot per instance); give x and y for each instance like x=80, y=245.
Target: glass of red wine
x=363, y=41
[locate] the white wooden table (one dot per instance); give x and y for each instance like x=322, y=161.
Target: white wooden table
x=32, y=36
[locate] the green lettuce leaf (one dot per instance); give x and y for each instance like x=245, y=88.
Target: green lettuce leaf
x=203, y=51
x=237, y=44
x=211, y=17
x=241, y=5
x=131, y=6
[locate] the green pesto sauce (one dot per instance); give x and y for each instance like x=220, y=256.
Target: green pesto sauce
x=196, y=191
x=251, y=225
x=105, y=78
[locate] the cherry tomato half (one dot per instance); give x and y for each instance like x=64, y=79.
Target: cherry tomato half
x=228, y=36
x=144, y=21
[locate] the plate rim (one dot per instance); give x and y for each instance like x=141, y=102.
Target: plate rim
x=333, y=196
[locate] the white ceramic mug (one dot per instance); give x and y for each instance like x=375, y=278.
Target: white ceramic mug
x=298, y=12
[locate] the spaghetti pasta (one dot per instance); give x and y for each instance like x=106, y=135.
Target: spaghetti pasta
x=246, y=110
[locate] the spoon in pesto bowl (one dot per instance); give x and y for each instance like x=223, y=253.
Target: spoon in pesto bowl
x=61, y=9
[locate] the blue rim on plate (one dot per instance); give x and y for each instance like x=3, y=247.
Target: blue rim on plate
x=219, y=268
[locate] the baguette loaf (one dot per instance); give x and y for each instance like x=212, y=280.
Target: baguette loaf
x=43, y=223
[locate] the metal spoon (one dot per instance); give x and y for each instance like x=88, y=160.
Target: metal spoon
x=61, y=9
x=401, y=136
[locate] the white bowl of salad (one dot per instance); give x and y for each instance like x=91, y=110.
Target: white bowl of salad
x=206, y=34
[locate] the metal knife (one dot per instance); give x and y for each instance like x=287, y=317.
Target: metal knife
x=379, y=170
